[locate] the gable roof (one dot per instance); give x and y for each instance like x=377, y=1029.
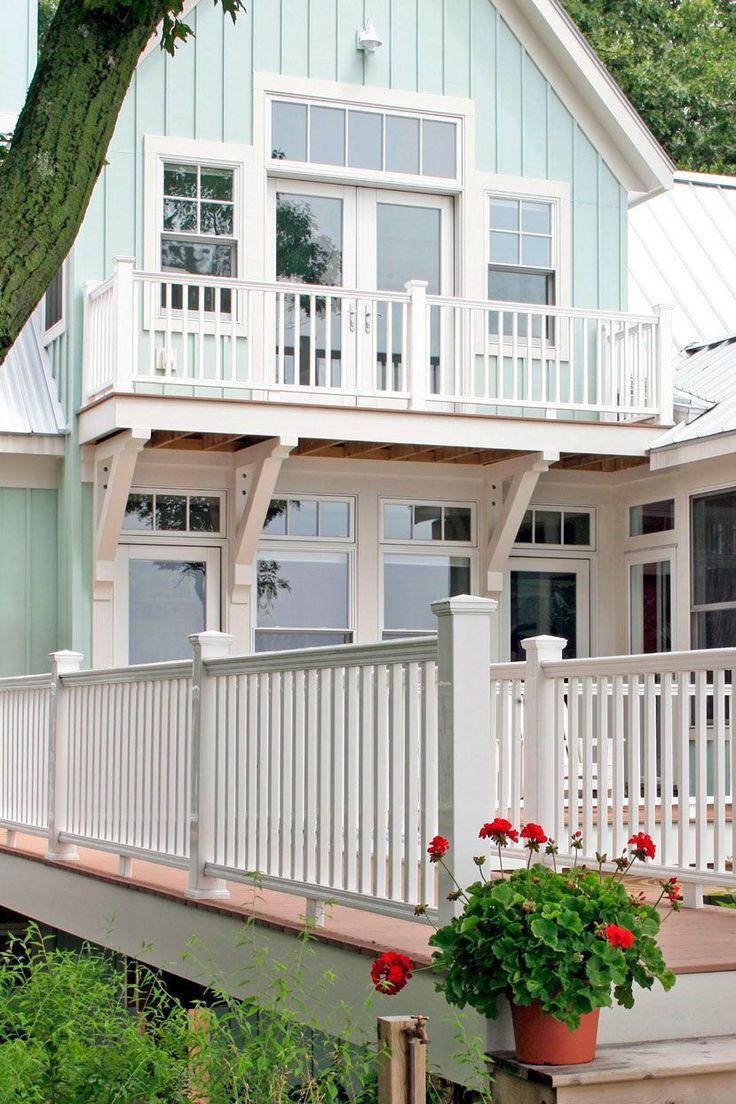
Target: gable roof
x=682, y=250
x=583, y=84
x=28, y=402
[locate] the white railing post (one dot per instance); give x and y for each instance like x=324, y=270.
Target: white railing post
x=663, y=363
x=123, y=291
x=539, y=730
x=203, y=793
x=464, y=733
x=62, y=663
x=417, y=348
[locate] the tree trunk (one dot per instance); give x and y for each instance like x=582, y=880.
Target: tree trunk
x=59, y=147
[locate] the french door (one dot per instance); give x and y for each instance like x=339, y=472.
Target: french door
x=163, y=593
x=548, y=596
x=349, y=237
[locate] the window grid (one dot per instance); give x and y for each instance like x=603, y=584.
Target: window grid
x=280, y=522
x=531, y=524
x=449, y=515
x=145, y=510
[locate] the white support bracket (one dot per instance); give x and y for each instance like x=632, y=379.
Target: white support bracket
x=524, y=472
x=259, y=467
x=117, y=458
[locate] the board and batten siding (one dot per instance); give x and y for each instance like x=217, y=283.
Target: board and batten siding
x=452, y=47
x=29, y=572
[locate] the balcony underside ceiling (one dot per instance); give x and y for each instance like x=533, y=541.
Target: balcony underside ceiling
x=378, y=450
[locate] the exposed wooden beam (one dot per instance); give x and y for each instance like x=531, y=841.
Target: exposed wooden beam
x=213, y=441
x=162, y=439
x=315, y=447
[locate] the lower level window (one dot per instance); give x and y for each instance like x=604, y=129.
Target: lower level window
x=714, y=570
x=303, y=600
x=651, y=607
x=410, y=585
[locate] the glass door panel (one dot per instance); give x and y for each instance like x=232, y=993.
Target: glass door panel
x=650, y=606
x=162, y=595
x=549, y=597
x=315, y=244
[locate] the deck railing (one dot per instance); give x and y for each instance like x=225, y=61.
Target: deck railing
x=326, y=771
x=182, y=334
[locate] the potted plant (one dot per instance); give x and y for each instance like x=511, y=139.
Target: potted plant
x=558, y=944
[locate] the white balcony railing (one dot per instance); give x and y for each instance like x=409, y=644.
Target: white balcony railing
x=299, y=342
x=327, y=770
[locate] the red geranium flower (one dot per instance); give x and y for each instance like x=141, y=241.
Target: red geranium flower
x=619, y=937
x=534, y=833
x=672, y=890
x=500, y=831
x=642, y=846
x=438, y=846
x=390, y=972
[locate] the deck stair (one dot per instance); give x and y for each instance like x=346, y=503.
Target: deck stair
x=674, y=1071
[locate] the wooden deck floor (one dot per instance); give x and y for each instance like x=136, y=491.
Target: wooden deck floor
x=693, y=940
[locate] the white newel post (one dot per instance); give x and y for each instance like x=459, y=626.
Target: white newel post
x=665, y=362
x=122, y=268
x=465, y=759
x=539, y=729
x=205, y=646
x=62, y=663
x=417, y=350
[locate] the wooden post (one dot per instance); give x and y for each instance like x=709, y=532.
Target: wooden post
x=402, y=1060
x=539, y=734
x=62, y=663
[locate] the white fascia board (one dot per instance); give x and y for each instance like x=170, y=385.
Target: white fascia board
x=588, y=90
x=703, y=448
x=264, y=419
x=32, y=444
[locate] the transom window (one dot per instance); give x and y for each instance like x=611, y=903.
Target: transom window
x=521, y=261
x=422, y=521
x=198, y=228
x=150, y=511
x=305, y=518
x=547, y=525
x=652, y=517
x=362, y=138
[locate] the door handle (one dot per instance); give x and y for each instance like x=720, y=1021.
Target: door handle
x=351, y=317
x=368, y=319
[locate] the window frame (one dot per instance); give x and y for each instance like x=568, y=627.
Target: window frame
x=659, y=534
x=311, y=546
x=702, y=607
x=50, y=333
x=378, y=177
x=301, y=538
x=591, y=511
x=655, y=554
x=171, y=536
x=416, y=542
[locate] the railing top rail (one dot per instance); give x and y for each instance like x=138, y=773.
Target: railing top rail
x=502, y=671
x=140, y=672
x=25, y=682
x=342, y=655
x=540, y=308
x=651, y=663
x=321, y=291
x=101, y=288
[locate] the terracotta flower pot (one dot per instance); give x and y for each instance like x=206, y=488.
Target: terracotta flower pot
x=542, y=1040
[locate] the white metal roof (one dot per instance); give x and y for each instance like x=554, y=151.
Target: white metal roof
x=682, y=250
x=28, y=402
x=708, y=372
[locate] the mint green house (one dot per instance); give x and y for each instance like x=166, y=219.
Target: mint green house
x=344, y=330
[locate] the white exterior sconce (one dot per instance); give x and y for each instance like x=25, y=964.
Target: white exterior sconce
x=368, y=40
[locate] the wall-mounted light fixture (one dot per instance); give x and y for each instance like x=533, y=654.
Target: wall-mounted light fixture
x=368, y=40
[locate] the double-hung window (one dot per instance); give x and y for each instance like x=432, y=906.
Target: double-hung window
x=198, y=231
x=521, y=259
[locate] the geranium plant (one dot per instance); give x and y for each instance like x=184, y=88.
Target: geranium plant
x=570, y=940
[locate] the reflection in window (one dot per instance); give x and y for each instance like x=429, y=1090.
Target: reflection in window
x=651, y=607
x=306, y=517
x=303, y=599
x=426, y=522
x=714, y=570
x=549, y=526
x=520, y=260
x=166, y=603
x=411, y=583
x=543, y=603
x=172, y=513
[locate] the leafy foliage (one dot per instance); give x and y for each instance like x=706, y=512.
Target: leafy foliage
x=538, y=935
x=676, y=61
x=174, y=30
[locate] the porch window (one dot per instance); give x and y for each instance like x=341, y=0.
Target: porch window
x=303, y=599
x=156, y=512
x=427, y=522
x=650, y=590
x=553, y=527
x=309, y=518
x=652, y=517
x=714, y=570
x=198, y=230
x=521, y=261
x=411, y=583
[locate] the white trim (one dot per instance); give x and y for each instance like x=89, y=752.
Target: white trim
x=292, y=540
x=154, y=534
x=582, y=568
x=567, y=508
x=416, y=542
x=58, y=328
x=32, y=444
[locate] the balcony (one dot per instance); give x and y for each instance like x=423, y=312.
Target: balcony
x=333, y=347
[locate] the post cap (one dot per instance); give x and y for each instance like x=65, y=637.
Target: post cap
x=464, y=603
